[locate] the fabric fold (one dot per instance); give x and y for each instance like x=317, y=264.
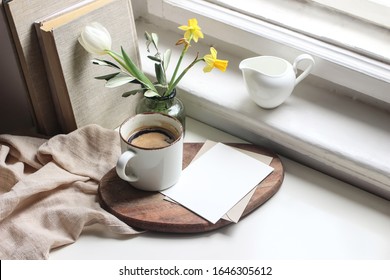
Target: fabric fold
x=48, y=190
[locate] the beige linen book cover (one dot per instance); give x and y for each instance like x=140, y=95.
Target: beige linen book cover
x=21, y=15
x=78, y=97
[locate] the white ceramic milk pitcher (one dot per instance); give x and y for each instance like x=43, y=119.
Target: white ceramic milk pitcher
x=270, y=80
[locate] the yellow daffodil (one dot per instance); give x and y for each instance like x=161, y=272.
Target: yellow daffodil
x=192, y=30
x=212, y=61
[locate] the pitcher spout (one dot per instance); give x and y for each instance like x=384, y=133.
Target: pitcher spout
x=248, y=66
x=266, y=65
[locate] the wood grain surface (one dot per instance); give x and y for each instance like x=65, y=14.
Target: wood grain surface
x=149, y=210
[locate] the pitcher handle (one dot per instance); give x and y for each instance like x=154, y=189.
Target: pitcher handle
x=308, y=68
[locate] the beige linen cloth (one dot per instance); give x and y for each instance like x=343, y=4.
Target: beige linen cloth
x=48, y=190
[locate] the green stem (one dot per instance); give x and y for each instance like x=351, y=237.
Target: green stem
x=174, y=83
x=183, y=52
x=177, y=67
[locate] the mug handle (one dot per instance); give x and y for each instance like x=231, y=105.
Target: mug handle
x=307, y=70
x=121, y=166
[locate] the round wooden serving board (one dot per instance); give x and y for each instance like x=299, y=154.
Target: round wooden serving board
x=149, y=210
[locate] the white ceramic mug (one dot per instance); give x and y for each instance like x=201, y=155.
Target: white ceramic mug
x=150, y=168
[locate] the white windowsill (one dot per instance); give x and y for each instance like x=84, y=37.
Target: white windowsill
x=333, y=133
x=365, y=78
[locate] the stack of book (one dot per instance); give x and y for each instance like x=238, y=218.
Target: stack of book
x=58, y=71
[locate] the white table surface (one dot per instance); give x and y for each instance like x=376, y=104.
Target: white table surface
x=312, y=216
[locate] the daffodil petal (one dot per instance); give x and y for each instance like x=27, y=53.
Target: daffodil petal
x=183, y=27
x=213, y=52
x=208, y=68
x=187, y=35
x=208, y=59
x=221, y=64
x=192, y=22
x=197, y=34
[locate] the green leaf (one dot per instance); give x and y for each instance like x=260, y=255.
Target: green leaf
x=167, y=58
x=119, y=80
x=160, y=86
x=133, y=70
x=151, y=93
x=131, y=92
x=151, y=38
x=148, y=38
x=155, y=39
x=135, y=81
x=154, y=58
x=161, y=89
x=159, y=74
x=102, y=62
x=107, y=77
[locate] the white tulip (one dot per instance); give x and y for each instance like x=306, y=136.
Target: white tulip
x=95, y=38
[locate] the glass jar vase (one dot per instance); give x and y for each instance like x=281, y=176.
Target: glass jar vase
x=170, y=105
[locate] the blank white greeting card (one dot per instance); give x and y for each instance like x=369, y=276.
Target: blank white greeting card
x=211, y=185
x=234, y=214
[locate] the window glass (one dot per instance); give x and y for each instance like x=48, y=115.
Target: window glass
x=374, y=11
x=362, y=26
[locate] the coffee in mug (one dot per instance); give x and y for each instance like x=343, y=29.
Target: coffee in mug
x=152, y=137
x=152, y=151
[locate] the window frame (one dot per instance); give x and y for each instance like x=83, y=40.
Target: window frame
x=364, y=77
x=374, y=12
x=325, y=21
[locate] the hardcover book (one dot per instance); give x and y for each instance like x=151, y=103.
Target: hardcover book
x=20, y=15
x=79, y=98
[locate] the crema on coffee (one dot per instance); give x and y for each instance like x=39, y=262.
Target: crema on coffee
x=152, y=138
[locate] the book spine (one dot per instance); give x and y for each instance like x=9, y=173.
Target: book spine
x=56, y=79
